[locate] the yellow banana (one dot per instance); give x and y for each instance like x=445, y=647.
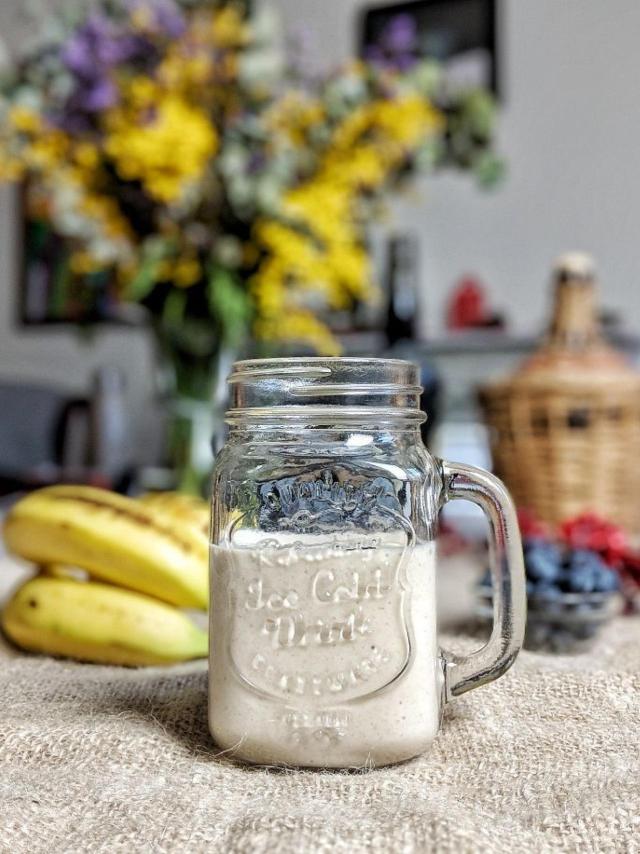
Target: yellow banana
x=96, y=622
x=183, y=509
x=113, y=538
x=59, y=570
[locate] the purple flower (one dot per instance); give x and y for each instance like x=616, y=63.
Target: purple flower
x=98, y=46
x=169, y=18
x=90, y=47
x=404, y=62
x=101, y=44
x=397, y=45
x=77, y=58
x=400, y=35
x=69, y=120
x=374, y=53
x=165, y=16
x=91, y=54
x=99, y=96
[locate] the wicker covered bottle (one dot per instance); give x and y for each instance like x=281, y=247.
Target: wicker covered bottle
x=565, y=429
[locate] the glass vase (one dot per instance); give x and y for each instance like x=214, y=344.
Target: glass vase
x=193, y=379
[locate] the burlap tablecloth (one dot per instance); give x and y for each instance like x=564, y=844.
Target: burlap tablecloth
x=113, y=760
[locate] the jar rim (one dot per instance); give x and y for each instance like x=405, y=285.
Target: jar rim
x=367, y=384
x=316, y=359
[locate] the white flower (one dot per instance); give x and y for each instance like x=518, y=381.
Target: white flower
x=265, y=24
x=263, y=66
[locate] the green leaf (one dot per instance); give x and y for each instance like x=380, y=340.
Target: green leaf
x=489, y=170
x=146, y=277
x=174, y=307
x=144, y=280
x=230, y=304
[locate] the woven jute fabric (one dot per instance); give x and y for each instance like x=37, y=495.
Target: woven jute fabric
x=101, y=759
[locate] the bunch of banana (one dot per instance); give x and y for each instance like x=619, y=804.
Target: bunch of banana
x=187, y=509
x=153, y=554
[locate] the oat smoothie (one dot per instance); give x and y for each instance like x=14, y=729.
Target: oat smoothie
x=324, y=649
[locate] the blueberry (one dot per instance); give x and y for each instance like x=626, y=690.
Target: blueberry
x=547, y=590
x=537, y=544
x=543, y=561
x=548, y=600
x=582, y=579
x=583, y=558
x=606, y=580
x=586, y=572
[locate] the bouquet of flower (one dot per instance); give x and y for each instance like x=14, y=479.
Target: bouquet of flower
x=173, y=146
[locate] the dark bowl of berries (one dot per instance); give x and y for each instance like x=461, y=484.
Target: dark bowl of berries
x=571, y=593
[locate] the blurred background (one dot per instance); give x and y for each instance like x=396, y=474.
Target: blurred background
x=185, y=183
x=534, y=156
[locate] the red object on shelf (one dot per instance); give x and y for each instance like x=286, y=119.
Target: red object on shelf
x=467, y=306
x=532, y=528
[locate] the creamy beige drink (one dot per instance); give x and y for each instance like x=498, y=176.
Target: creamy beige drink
x=323, y=649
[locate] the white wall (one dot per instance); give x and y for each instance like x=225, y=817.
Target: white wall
x=570, y=130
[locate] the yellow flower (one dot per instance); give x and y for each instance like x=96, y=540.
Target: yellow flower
x=86, y=155
x=125, y=272
x=24, y=120
x=298, y=327
x=164, y=270
x=82, y=263
x=407, y=119
x=186, y=272
x=294, y=115
x=228, y=28
x=47, y=151
x=187, y=73
x=392, y=127
x=320, y=247
x=104, y=211
x=367, y=167
x=141, y=91
x=167, y=152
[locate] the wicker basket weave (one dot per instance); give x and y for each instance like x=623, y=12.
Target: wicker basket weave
x=565, y=429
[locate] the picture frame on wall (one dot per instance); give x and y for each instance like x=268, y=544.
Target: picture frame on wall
x=50, y=292
x=461, y=34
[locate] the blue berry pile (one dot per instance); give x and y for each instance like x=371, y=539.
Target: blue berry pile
x=553, y=571
x=569, y=592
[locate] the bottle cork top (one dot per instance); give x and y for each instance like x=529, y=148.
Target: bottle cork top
x=574, y=265
x=574, y=353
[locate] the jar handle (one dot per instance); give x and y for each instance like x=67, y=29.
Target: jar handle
x=462, y=673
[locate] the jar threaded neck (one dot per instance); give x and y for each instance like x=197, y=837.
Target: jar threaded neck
x=314, y=387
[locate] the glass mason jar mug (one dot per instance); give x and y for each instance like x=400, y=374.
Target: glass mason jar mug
x=323, y=609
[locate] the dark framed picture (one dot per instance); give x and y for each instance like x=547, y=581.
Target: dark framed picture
x=50, y=291
x=461, y=34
